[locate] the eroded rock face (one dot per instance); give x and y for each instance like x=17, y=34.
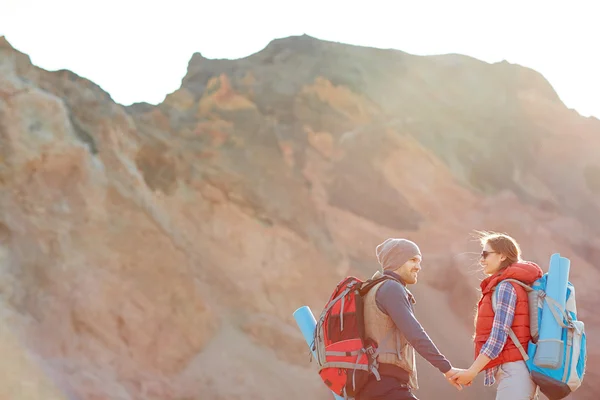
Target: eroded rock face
x=159, y=252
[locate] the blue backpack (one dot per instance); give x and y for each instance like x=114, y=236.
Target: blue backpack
x=556, y=355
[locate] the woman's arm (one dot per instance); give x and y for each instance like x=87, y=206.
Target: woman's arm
x=505, y=314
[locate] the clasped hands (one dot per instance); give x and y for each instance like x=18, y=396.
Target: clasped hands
x=458, y=377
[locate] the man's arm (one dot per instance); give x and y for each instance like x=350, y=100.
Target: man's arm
x=392, y=299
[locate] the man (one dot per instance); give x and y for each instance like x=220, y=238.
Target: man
x=390, y=321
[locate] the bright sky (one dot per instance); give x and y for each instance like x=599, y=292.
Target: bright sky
x=139, y=51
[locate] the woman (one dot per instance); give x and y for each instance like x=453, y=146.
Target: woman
x=495, y=352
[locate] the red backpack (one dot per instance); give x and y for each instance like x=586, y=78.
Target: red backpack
x=345, y=356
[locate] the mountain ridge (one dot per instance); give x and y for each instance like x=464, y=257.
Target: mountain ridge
x=158, y=252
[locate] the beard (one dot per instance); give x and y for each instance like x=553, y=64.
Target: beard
x=410, y=278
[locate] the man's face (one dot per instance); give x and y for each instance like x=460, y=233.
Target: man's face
x=409, y=271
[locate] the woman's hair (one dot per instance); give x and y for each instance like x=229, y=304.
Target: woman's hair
x=501, y=243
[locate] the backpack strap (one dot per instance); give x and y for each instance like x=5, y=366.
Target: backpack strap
x=559, y=313
x=511, y=333
x=369, y=283
x=318, y=332
x=523, y=285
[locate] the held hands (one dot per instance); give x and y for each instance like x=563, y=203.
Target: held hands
x=450, y=377
x=464, y=377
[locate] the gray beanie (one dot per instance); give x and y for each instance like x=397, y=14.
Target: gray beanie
x=393, y=253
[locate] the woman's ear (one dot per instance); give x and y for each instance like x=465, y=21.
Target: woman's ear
x=502, y=257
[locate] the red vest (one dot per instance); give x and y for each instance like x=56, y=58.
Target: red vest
x=526, y=272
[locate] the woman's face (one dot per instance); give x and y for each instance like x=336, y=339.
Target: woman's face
x=490, y=260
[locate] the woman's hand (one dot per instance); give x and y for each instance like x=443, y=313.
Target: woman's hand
x=465, y=377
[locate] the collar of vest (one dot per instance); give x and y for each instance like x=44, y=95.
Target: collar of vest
x=524, y=271
x=397, y=278
x=394, y=275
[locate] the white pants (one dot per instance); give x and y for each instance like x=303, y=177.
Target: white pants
x=514, y=382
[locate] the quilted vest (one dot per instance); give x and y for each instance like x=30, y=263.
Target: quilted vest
x=394, y=348
x=526, y=272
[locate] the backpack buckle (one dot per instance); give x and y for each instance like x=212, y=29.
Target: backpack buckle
x=370, y=350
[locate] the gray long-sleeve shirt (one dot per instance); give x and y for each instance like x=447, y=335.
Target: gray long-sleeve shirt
x=392, y=299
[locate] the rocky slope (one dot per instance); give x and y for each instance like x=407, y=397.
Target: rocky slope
x=158, y=252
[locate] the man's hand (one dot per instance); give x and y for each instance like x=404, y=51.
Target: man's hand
x=453, y=371
x=450, y=377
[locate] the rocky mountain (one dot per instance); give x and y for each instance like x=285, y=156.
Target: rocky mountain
x=158, y=252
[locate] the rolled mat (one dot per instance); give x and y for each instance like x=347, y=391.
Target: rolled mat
x=306, y=322
x=550, y=350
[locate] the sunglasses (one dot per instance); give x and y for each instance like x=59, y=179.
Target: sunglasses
x=484, y=254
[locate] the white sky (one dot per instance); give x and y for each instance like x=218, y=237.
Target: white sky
x=139, y=52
